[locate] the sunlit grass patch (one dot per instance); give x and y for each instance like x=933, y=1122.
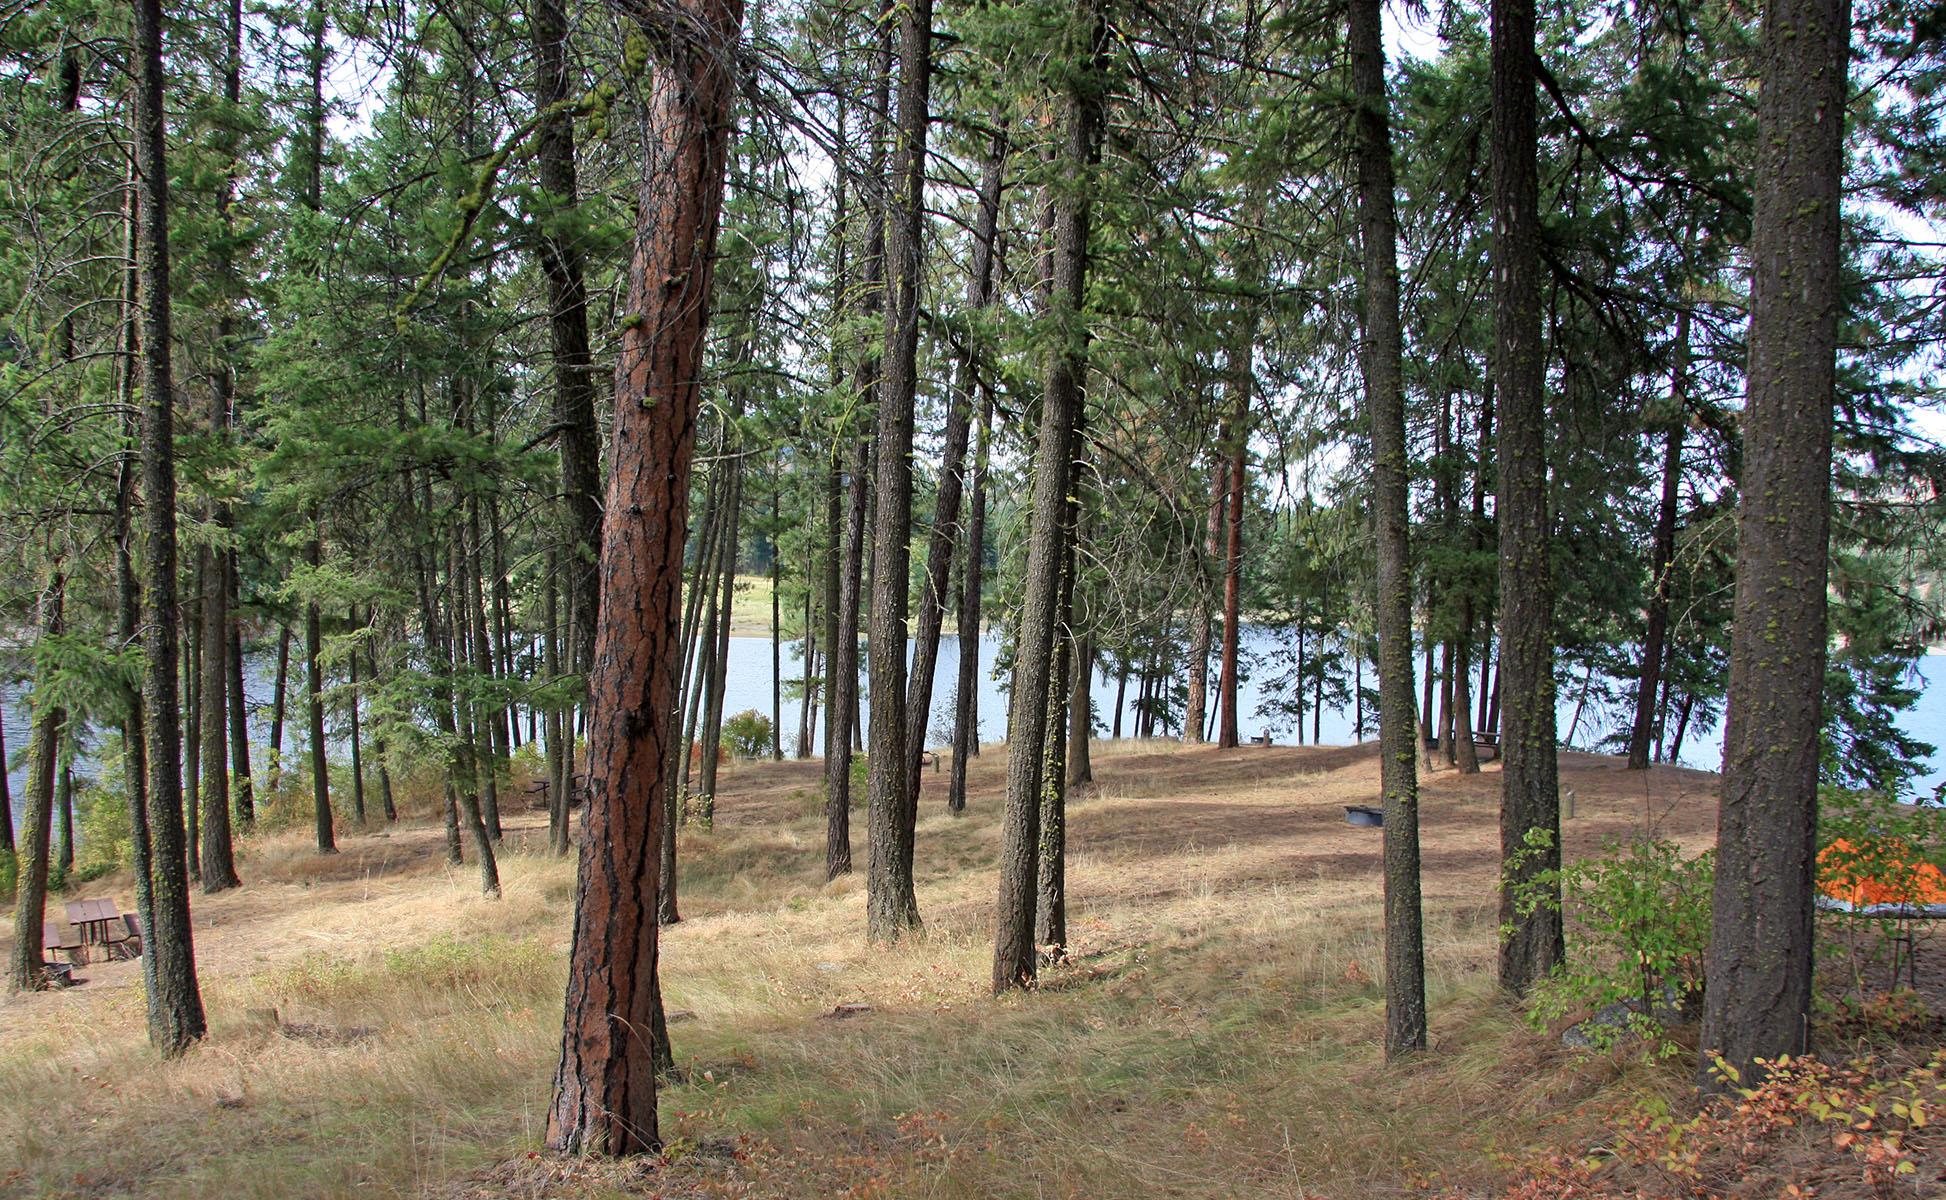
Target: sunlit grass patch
x=379, y=1029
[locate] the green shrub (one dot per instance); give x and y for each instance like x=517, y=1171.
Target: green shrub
x=107, y=842
x=747, y=734
x=9, y=873
x=1637, y=920
x=528, y=761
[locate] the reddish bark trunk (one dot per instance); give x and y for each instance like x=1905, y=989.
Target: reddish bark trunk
x=604, y=1090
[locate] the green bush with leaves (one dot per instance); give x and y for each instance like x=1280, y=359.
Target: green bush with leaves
x=107, y=841
x=747, y=734
x=1638, y=923
x=9, y=874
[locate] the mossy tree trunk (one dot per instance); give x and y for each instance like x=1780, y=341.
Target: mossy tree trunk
x=1758, y=1002
x=1530, y=797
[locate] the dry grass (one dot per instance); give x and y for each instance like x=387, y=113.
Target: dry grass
x=379, y=1030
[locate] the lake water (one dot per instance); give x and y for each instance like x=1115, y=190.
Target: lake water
x=749, y=683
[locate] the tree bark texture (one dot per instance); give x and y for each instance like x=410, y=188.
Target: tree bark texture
x=891, y=781
x=1382, y=359
x=1758, y=1002
x=218, y=857
x=559, y=253
x=176, y=1003
x=605, y=1088
x=1530, y=798
x=1014, y=955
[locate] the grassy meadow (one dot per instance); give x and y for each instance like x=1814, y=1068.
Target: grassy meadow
x=378, y=1029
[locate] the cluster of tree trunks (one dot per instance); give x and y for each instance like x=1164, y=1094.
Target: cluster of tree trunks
x=1031, y=870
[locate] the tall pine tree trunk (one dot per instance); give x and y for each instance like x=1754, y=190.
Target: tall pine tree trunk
x=279, y=696
x=1381, y=357
x=1196, y=708
x=128, y=619
x=605, y=1088
x=946, y=513
x=1051, y=885
x=314, y=710
x=27, y=971
x=1236, y=477
x=192, y=743
x=966, y=697
x=1014, y=956
x=845, y=706
x=246, y=802
x=558, y=800
x=462, y=585
x=1530, y=802
x=1758, y=1002
x=219, y=622
x=718, y=678
x=777, y=625
x=218, y=856
x=378, y=750
x=1662, y=554
x=890, y=906
x=559, y=253
x=6, y=798
x=357, y=734
x=1465, y=754
x=64, y=803
x=841, y=716
x=485, y=713
x=176, y=1002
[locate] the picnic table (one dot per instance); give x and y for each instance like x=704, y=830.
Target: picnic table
x=92, y=918
x=96, y=920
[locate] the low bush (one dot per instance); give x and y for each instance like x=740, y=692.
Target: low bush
x=1637, y=919
x=107, y=841
x=747, y=734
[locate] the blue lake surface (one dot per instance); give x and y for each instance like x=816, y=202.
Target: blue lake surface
x=749, y=687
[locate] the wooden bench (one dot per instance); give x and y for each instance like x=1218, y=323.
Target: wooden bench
x=63, y=939
x=131, y=945
x=535, y=794
x=1487, y=741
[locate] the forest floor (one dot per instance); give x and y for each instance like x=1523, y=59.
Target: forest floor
x=378, y=1029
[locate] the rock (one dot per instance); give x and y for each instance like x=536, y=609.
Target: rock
x=1673, y=1007
x=849, y=1010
